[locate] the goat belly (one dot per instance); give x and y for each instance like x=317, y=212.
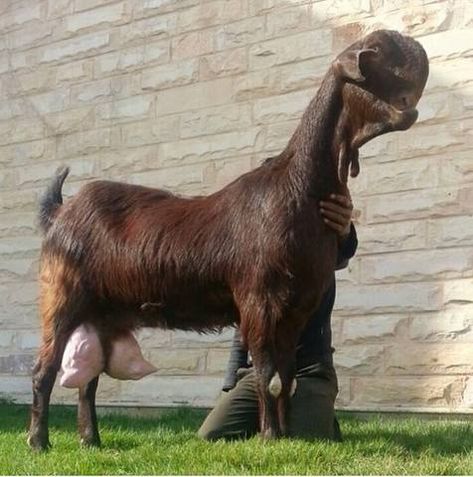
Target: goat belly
x=126, y=360
x=83, y=358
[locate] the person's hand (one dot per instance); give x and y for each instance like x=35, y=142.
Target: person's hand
x=337, y=213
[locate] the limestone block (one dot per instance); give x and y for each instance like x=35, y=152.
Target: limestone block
x=18, y=223
x=223, y=64
x=158, y=27
x=337, y=10
x=177, y=362
x=211, y=13
x=412, y=205
x=75, y=71
x=435, y=108
x=13, y=200
x=208, y=147
x=28, y=340
x=30, y=37
x=135, y=107
x=195, y=96
x=389, y=298
x=239, y=33
x=70, y=120
x=458, y=291
x=142, y=133
x=110, y=14
x=24, y=153
x=17, y=364
x=373, y=328
x=418, y=265
x=153, y=338
x=421, y=393
x=92, y=92
x=14, y=17
x=451, y=231
x=60, y=8
x=448, y=44
x=255, y=84
x=176, y=179
x=83, y=142
x=190, y=45
x=282, y=108
x=39, y=80
x=185, y=339
x=215, y=120
x=7, y=339
x=456, y=168
x=288, y=21
x=75, y=46
x=170, y=75
x=217, y=361
x=170, y=391
x=448, y=74
x=452, y=324
x=155, y=6
x=378, y=238
x=21, y=130
x=289, y=49
x=430, y=358
x=358, y=360
x=301, y=75
x=50, y=102
x=422, y=140
x=157, y=52
x=89, y=4
x=16, y=388
x=416, y=19
x=15, y=269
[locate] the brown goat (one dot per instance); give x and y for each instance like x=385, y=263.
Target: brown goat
x=257, y=252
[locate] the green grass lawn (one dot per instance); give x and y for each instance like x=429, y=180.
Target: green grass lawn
x=168, y=445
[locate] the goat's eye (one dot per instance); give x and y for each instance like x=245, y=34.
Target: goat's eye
x=375, y=49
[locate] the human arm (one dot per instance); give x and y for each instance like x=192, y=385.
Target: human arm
x=337, y=213
x=238, y=359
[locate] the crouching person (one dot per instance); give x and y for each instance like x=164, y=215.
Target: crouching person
x=312, y=408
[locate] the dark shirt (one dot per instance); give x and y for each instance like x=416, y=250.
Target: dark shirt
x=315, y=344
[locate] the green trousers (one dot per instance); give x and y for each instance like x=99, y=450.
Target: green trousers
x=311, y=413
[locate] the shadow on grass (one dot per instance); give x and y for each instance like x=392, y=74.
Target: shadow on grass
x=443, y=438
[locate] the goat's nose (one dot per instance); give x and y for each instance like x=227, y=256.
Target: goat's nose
x=406, y=101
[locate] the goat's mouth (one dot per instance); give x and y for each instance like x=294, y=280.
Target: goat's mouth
x=404, y=119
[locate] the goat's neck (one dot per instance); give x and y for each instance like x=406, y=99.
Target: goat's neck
x=311, y=152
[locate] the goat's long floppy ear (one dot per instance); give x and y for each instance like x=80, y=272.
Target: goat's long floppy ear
x=347, y=64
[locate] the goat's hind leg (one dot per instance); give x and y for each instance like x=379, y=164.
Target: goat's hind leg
x=87, y=416
x=44, y=375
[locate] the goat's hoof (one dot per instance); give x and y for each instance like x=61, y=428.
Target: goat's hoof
x=90, y=441
x=39, y=442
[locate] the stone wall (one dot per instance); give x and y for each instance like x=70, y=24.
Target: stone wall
x=188, y=94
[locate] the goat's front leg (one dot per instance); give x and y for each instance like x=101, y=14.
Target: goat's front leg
x=87, y=416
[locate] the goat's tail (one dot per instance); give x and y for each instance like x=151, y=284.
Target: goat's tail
x=51, y=200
